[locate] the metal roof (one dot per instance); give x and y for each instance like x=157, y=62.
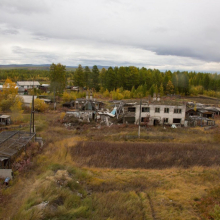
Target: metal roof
x=28, y=83
x=13, y=141
x=3, y=158
x=4, y=116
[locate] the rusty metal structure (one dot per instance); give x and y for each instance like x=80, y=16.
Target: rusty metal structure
x=11, y=144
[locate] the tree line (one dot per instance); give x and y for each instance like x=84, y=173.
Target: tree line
x=145, y=80
x=137, y=80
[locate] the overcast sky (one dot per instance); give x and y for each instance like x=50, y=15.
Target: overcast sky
x=163, y=34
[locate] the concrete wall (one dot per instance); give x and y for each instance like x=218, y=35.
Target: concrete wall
x=161, y=115
x=6, y=173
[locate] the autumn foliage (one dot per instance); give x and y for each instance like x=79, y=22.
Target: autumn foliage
x=8, y=95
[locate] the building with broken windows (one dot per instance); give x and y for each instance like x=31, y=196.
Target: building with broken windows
x=196, y=120
x=154, y=113
x=5, y=119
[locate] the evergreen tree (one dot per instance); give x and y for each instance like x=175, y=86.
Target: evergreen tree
x=131, y=77
x=110, y=79
x=169, y=87
x=95, y=78
x=156, y=89
x=161, y=90
x=152, y=90
x=206, y=82
x=121, y=77
x=116, y=82
x=87, y=74
x=79, y=79
x=133, y=92
x=57, y=76
x=144, y=89
x=102, y=77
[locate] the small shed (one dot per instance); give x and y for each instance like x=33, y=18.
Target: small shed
x=200, y=121
x=5, y=119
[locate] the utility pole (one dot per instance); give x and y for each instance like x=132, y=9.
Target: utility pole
x=139, y=128
x=54, y=100
x=32, y=116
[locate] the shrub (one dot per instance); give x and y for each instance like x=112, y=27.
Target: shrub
x=106, y=93
x=6, y=104
x=66, y=97
x=40, y=105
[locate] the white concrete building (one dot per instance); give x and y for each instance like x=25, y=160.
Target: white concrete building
x=27, y=99
x=155, y=114
x=23, y=85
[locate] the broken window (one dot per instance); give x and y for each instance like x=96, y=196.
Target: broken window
x=166, y=110
x=157, y=110
x=145, y=119
x=165, y=120
x=177, y=111
x=131, y=109
x=210, y=123
x=129, y=120
x=145, y=109
x=177, y=120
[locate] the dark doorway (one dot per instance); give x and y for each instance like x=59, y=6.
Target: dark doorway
x=156, y=122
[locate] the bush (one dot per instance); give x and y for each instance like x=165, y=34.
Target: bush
x=40, y=105
x=6, y=104
x=106, y=93
x=66, y=97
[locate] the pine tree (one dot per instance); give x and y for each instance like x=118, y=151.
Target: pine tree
x=169, y=87
x=156, y=89
x=152, y=90
x=95, y=78
x=161, y=90
x=79, y=79
x=87, y=74
x=57, y=76
x=102, y=77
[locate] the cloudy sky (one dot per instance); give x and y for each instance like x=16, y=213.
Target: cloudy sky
x=163, y=34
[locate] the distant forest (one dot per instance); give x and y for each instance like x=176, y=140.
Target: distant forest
x=138, y=80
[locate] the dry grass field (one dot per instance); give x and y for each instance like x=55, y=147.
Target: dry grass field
x=109, y=174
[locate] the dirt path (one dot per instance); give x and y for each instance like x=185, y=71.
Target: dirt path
x=14, y=197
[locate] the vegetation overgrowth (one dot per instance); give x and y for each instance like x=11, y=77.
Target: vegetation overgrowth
x=72, y=177
x=146, y=156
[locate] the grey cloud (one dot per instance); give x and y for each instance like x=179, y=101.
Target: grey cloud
x=188, y=52
x=30, y=53
x=170, y=29
x=24, y=6
x=9, y=31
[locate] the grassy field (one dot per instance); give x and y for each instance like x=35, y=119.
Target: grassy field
x=109, y=174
